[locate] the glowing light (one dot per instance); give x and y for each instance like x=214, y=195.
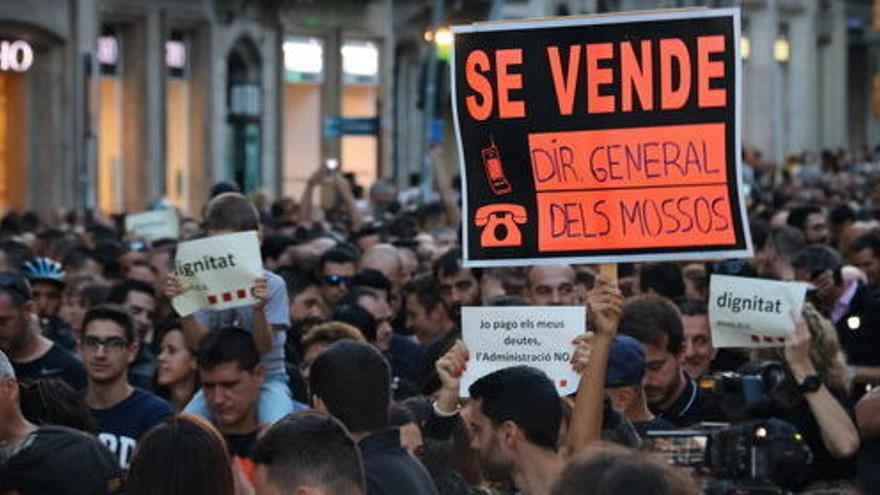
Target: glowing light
x=360, y=59
x=304, y=56
x=108, y=50
x=745, y=47
x=781, y=49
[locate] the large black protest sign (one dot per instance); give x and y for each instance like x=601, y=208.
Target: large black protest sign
x=600, y=139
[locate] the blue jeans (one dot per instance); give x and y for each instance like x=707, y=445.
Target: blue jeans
x=275, y=401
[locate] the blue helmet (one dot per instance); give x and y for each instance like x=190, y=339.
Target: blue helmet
x=44, y=269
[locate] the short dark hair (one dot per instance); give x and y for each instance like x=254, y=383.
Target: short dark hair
x=797, y=217
x=233, y=211
x=119, y=293
x=16, y=286
x=868, y=240
x=357, y=317
x=354, y=295
x=310, y=448
x=663, y=278
x=300, y=280
x=342, y=253
x=613, y=469
x=786, y=241
x=652, y=320
x=227, y=344
x=450, y=263
x=525, y=396
x=424, y=288
x=116, y=314
x=819, y=258
x=361, y=406
x=692, y=307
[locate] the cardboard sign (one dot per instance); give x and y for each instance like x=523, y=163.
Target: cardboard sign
x=604, y=139
x=217, y=272
x=153, y=225
x=536, y=336
x=754, y=313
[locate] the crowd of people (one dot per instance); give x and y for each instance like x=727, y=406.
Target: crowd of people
x=344, y=376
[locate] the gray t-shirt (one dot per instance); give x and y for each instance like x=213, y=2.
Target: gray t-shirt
x=277, y=313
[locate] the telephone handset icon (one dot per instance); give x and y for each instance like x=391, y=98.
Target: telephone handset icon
x=499, y=222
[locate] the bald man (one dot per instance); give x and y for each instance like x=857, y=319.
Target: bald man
x=552, y=285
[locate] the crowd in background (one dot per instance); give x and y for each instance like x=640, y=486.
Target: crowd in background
x=344, y=377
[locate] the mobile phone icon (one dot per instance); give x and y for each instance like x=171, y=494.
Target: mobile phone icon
x=494, y=170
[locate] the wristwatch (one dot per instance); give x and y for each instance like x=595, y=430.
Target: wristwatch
x=809, y=384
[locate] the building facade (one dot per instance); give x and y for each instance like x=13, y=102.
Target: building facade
x=116, y=104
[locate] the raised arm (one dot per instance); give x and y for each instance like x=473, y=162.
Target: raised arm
x=605, y=305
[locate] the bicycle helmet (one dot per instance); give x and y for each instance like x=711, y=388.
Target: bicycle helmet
x=44, y=269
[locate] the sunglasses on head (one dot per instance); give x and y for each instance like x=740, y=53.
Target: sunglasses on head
x=337, y=279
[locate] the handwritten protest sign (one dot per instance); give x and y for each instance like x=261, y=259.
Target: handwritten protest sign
x=540, y=337
x=598, y=140
x=217, y=272
x=754, y=313
x=153, y=225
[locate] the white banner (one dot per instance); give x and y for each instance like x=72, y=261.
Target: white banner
x=536, y=336
x=153, y=225
x=217, y=272
x=753, y=313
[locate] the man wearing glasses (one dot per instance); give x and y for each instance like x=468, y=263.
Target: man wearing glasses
x=33, y=355
x=124, y=413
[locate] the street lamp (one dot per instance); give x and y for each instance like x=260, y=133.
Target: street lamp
x=745, y=47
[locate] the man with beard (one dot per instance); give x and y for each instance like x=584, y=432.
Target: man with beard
x=672, y=394
x=32, y=354
x=458, y=286
x=307, y=309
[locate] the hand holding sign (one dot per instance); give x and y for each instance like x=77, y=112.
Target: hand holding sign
x=450, y=368
x=797, y=347
x=606, y=306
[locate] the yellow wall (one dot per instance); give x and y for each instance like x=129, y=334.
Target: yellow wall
x=13, y=139
x=177, y=142
x=301, y=136
x=360, y=153
x=110, y=165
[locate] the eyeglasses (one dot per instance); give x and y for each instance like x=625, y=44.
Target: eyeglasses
x=13, y=282
x=111, y=344
x=337, y=279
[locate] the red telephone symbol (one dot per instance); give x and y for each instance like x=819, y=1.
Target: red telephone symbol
x=499, y=222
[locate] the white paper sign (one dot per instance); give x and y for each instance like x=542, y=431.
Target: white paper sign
x=153, y=225
x=217, y=272
x=753, y=313
x=536, y=336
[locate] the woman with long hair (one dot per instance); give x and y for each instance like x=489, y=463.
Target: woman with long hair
x=185, y=455
x=177, y=375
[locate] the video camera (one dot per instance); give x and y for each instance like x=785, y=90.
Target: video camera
x=755, y=457
x=751, y=392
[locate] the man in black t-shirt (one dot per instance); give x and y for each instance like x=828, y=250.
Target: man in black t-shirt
x=672, y=395
x=33, y=355
x=231, y=373
x=124, y=413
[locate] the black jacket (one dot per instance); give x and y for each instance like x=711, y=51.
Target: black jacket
x=390, y=469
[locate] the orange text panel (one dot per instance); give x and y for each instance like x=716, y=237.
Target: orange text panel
x=635, y=218
x=620, y=158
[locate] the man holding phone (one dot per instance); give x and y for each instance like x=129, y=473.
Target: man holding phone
x=850, y=305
